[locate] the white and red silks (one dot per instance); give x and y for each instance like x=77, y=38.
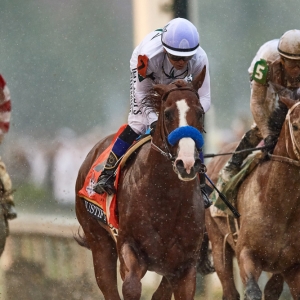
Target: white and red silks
x=5, y=108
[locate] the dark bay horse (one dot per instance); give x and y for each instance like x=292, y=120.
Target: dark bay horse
x=269, y=235
x=160, y=206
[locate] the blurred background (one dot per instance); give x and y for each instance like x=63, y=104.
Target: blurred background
x=66, y=63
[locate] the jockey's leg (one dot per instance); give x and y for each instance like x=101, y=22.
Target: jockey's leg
x=6, y=193
x=250, y=140
x=205, y=189
x=105, y=183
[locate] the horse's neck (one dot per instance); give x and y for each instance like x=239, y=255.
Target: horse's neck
x=283, y=168
x=284, y=145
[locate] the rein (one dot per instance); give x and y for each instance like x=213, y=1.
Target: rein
x=235, y=152
x=163, y=129
x=284, y=159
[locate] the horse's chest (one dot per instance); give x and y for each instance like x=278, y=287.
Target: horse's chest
x=167, y=243
x=166, y=251
x=277, y=248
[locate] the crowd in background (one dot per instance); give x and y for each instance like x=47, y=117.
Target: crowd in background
x=53, y=165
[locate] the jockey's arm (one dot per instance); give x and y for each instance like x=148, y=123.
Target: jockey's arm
x=259, y=107
x=139, y=118
x=204, y=90
x=204, y=93
x=5, y=108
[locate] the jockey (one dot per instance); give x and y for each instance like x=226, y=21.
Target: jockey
x=163, y=56
x=5, y=109
x=277, y=61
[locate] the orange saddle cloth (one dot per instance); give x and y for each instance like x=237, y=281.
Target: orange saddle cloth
x=102, y=207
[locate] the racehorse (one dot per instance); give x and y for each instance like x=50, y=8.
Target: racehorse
x=268, y=235
x=160, y=206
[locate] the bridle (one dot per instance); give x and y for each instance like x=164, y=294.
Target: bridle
x=164, y=133
x=289, y=132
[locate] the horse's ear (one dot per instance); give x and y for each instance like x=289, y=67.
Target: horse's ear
x=198, y=80
x=287, y=101
x=159, y=89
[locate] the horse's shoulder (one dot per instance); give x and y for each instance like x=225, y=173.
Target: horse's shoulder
x=136, y=157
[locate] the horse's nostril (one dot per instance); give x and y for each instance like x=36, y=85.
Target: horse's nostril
x=197, y=164
x=179, y=164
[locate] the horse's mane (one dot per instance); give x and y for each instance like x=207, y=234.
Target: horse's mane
x=152, y=101
x=278, y=115
x=277, y=118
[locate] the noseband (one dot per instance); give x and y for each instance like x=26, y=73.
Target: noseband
x=170, y=139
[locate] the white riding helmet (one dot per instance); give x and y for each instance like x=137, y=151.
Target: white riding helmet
x=289, y=44
x=180, y=37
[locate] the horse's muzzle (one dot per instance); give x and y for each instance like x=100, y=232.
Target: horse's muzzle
x=185, y=170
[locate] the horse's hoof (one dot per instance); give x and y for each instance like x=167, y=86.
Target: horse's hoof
x=253, y=292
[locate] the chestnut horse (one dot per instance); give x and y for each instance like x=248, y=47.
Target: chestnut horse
x=160, y=206
x=269, y=203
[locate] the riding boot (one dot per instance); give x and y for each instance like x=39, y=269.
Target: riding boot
x=106, y=180
x=6, y=193
x=9, y=208
x=250, y=140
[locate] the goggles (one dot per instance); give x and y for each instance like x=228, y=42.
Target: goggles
x=291, y=63
x=178, y=58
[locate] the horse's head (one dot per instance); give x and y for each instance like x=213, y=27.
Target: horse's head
x=292, y=127
x=180, y=123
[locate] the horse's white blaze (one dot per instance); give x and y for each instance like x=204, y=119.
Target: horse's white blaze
x=186, y=145
x=186, y=153
x=182, y=110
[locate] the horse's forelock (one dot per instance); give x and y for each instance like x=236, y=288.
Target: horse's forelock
x=181, y=83
x=152, y=101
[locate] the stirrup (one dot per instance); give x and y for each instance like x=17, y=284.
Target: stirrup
x=105, y=184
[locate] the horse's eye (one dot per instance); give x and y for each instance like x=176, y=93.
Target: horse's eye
x=295, y=127
x=200, y=116
x=168, y=115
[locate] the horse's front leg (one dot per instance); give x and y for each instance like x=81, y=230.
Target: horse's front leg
x=250, y=271
x=133, y=269
x=223, y=259
x=274, y=287
x=292, y=278
x=184, y=284
x=164, y=290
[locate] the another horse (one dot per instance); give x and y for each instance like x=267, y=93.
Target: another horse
x=269, y=203
x=161, y=212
